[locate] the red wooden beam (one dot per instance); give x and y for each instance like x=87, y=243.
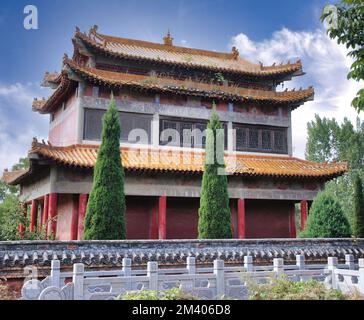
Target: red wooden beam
x=162, y=218
x=241, y=219
x=33, y=215
x=82, y=206
x=75, y=217
x=304, y=213
x=53, y=202
x=292, y=222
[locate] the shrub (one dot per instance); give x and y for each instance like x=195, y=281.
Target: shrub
x=282, y=288
x=214, y=212
x=5, y=292
x=326, y=219
x=105, y=215
x=358, y=208
x=171, y=294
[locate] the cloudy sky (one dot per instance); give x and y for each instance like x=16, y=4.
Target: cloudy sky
x=263, y=30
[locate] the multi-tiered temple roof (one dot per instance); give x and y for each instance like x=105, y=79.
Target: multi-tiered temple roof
x=79, y=68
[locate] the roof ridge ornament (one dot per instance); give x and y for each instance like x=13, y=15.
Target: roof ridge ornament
x=235, y=53
x=93, y=30
x=168, y=40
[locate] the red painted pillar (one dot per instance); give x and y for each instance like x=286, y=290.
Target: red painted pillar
x=53, y=202
x=33, y=215
x=162, y=218
x=304, y=213
x=154, y=222
x=232, y=219
x=292, y=222
x=82, y=206
x=241, y=219
x=46, y=209
x=75, y=217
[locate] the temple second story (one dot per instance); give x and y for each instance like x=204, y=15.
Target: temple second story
x=165, y=94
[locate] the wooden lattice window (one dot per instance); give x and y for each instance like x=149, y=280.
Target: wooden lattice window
x=260, y=138
x=128, y=121
x=191, y=133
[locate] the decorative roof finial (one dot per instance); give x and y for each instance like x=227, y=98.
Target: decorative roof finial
x=93, y=30
x=168, y=40
x=235, y=53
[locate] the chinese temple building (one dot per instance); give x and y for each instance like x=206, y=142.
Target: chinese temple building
x=167, y=90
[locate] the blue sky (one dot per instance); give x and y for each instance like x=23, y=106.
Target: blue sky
x=263, y=30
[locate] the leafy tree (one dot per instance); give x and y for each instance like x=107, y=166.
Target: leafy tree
x=358, y=211
x=328, y=141
x=105, y=215
x=326, y=219
x=348, y=28
x=214, y=212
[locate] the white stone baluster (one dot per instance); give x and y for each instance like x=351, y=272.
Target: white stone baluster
x=361, y=276
x=152, y=273
x=248, y=263
x=55, y=273
x=219, y=273
x=349, y=261
x=278, y=266
x=126, y=264
x=300, y=262
x=332, y=263
x=191, y=265
x=78, y=279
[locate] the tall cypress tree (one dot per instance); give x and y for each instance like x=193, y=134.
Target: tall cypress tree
x=105, y=215
x=358, y=208
x=214, y=212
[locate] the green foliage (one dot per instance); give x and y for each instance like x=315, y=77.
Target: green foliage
x=349, y=31
x=171, y=294
x=214, y=211
x=358, y=210
x=11, y=215
x=105, y=215
x=326, y=219
x=5, y=292
x=282, y=288
x=329, y=141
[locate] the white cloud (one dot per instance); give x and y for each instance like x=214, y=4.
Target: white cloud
x=326, y=64
x=18, y=124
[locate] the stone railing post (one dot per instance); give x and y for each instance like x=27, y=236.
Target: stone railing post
x=191, y=265
x=55, y=273
x=152, y=273
x=78, y=279
x=300, y=262
x=219, y=273
x=248, y=263
x=349, y=261
x=361, y=276
x=278, y=266
x=126, y=265
x=332, y=263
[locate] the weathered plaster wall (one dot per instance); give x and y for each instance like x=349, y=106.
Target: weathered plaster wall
x=63, y=129
x=66, y=205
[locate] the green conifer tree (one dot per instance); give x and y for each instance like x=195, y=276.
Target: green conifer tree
x=326, y=219
x=358, y=208
x=105, y=215
x=214, y=212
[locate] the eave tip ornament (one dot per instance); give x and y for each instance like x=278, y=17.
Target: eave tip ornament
x=168, y=40
x=235, y=53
